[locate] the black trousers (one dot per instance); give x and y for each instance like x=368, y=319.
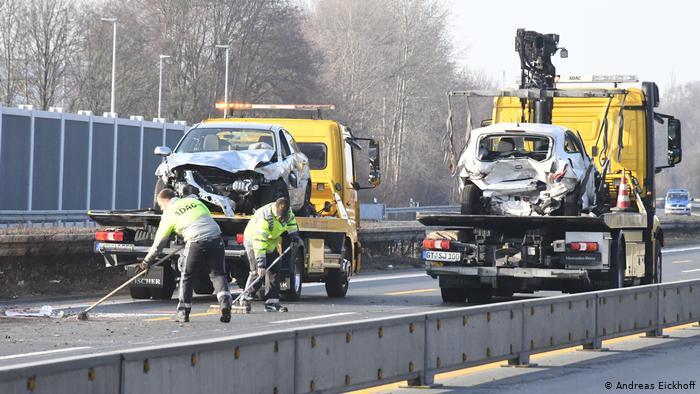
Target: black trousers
x=207, y=254
x=272, y=283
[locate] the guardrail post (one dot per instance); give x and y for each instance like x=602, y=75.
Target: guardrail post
x=596, y=344
x=658, y=331
x=523, y=358
x=426, y=380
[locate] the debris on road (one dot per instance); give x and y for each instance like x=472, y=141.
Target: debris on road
x=44, y=311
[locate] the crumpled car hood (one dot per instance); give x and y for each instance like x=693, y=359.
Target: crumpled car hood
x=231, y=161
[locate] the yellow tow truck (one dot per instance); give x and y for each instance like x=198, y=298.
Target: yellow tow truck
x=476, y=256
x=331, y=251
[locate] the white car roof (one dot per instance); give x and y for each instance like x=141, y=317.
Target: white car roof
x=535, y=128
x=241, y=125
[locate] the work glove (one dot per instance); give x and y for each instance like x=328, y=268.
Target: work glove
x=295, y=239
x=143, y=266
x=261, y=264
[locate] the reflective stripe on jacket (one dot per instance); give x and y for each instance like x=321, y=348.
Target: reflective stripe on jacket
x=264, y=231
x=187, y=217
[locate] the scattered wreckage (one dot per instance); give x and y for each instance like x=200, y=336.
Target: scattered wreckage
x=526, y=169
x=236, y=167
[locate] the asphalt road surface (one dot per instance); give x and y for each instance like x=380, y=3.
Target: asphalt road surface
x=123, y=323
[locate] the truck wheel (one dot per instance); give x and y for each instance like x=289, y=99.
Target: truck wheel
x=202, y=285
x=295, y=277
x=470, y=200
x=336, y=283
x=165, y=292
x=658, y=263
x=618, y=265
x=453, y=295
x=479, y=296
x=139, y=293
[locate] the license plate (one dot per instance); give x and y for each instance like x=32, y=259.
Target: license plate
x=582, y=258
x=436, y=255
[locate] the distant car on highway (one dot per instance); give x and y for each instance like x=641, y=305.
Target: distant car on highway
x=678, y=202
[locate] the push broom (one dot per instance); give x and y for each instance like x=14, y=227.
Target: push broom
x=241, y=306
x=84, y=314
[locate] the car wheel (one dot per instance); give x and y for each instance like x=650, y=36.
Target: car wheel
x=275, y=190
x=160, y=185
x=470, y=203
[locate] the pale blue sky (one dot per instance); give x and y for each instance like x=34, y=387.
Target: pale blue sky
x=656, y=40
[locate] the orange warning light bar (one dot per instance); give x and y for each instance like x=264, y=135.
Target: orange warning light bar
x=296, y=107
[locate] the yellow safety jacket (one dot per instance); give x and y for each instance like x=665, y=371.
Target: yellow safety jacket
x=264, y=231
x=187, y=217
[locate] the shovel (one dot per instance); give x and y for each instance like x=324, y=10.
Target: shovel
x=84, y=314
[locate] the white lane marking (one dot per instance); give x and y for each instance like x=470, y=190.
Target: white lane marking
x=119, y=315
x=687, y=271
x=314, y=317
x=678, y=250
x=388, y=277
x=44, y=352
x=374, y=279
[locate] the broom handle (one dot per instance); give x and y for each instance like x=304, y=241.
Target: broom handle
x=260, y=277
x=140, y=274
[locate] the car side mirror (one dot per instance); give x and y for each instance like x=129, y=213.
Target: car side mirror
x=162, y=151
x=293, y=181
x=327, y=206
x=375, y=174
x=675, y=152
x=594, y=151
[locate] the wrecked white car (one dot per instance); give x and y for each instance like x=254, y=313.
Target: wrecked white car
x=236, y=167
x=526, y=170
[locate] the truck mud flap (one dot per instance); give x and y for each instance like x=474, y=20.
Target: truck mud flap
x=153, y=279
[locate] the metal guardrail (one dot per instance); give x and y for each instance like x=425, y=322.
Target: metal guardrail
x=45, y=218
x=346, y=356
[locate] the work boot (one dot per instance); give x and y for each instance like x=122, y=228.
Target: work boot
x=182, y=316
x=225, y=314
x=275, y=307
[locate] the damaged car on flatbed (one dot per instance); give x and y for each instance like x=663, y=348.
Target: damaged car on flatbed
x=526, y=169
x=236, y=168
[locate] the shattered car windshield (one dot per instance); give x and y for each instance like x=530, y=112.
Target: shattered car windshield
x=500, y=146
x=204, y=139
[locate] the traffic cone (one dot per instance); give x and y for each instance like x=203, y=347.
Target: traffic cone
x=623, y=195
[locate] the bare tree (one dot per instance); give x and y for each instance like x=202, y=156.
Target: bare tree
x=49, y=35
x=10, y=17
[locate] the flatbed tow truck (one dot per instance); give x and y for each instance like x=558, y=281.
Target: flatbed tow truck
x=478, y=256
x=331, y=249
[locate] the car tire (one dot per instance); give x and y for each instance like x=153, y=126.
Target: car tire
x=296, y=275
x=470, y=202
x=275, y=190
x=140, y=293
x=453, y=295
x=160, y=185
